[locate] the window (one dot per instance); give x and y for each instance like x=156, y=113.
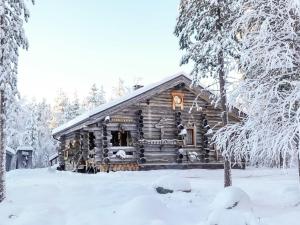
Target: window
x=121, y=138
x=190, y=137
x=91, y=141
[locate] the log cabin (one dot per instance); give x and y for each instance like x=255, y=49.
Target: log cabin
x=166, y=125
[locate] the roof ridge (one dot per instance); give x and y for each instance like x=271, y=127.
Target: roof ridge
x=86, y=115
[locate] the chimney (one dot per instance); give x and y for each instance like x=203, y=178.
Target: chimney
x=137, y=86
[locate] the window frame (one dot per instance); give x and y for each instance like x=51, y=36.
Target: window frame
x=193, y=136
x=128, y=138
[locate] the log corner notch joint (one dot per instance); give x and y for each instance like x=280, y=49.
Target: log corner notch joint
x=139, y=131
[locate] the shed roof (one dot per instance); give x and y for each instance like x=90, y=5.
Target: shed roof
x=25, y=148
x=10, y=150
x=53, y=156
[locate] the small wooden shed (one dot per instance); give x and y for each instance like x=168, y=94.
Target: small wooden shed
x=24, y=157
x=9, y=158
x=53, y=159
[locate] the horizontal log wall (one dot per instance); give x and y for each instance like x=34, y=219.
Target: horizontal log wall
x=160, y=106
x=153, y=110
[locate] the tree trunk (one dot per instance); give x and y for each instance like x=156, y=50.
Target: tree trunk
x=2, y=152
x=227, y=163
x=298, y=152
x=298, y=166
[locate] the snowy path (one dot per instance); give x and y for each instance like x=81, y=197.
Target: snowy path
x=48, y=197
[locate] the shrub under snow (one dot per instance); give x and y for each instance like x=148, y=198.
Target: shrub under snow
x=169, y=184
x=231, y=217
x=231, y=197
x=150, y=211
x=232, y=206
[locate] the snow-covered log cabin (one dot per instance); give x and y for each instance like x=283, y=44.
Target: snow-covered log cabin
x=154, y=127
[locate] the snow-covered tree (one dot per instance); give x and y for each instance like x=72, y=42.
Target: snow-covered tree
x=61, y=104
x=120, y=89
x=2, y=151
x=15, y=122
x=269, y=33
x=203, y=28
x=95, y=97
x=30, y=133
x=45, y=145
x=73, y=108
x=33, y=129
x=12, y=15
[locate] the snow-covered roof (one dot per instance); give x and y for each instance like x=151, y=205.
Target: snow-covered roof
x=53, y=156
x=24, y=148
x=85, y=116
x=10, y=150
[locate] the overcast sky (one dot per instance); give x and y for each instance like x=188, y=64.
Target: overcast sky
x=75, y=43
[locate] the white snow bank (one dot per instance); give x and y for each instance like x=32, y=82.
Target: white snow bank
x=231, y=197
x=173, y=183
x=231, y=217
x=49, y=197
x=150, y=210
x=232, y=206
x=291, y=196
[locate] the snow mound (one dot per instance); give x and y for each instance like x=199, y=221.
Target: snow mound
x=232, y=206
x=231, y=217
x=121, y=154
x=291, y=196
x=52, y=169
x=150, y=211
x=169, y=184
x=232, y=197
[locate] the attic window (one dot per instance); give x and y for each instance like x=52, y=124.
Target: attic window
x=177, y=100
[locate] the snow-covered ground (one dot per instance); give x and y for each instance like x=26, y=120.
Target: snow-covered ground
x=49, y=197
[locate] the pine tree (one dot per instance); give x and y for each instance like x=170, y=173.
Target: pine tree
x=14, y=124
x=12, y=14
x=73, y=108
x=102, y=96
x=30, y=137
x=60, y=108
x=95, y=98
x=203, y=28
x=46, y=145
x=2, y=150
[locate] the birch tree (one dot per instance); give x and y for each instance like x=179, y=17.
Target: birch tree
x=12, y=36
x=270, y=92
x=203, y=30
